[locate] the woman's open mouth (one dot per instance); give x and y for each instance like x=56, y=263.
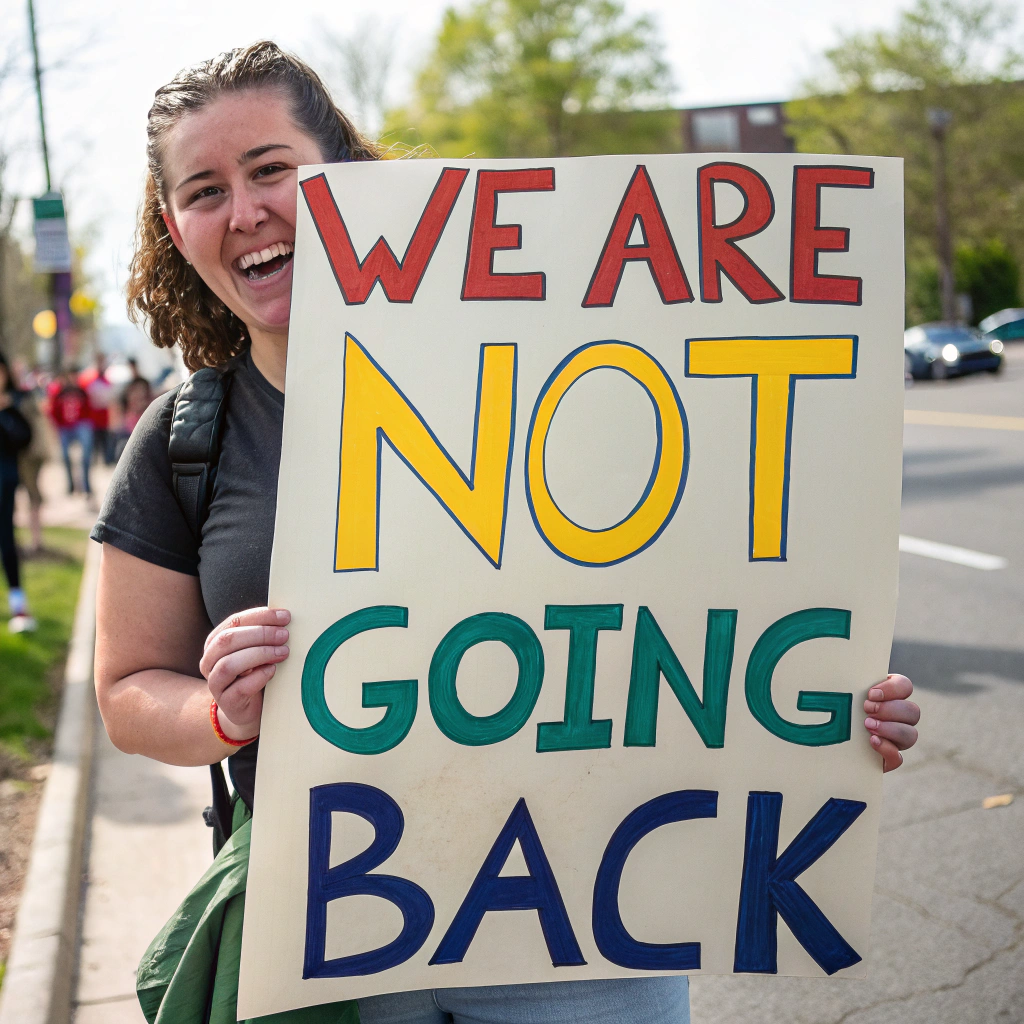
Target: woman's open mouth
x=262, y=264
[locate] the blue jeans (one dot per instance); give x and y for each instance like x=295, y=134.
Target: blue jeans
x=656, y=1000
x=82, y=433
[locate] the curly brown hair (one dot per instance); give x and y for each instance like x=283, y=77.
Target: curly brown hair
x=163, y=290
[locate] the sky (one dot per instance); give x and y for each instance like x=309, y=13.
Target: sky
x=107, y=57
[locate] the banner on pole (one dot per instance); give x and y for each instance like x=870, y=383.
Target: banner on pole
x=50, y=226
x=587, y=521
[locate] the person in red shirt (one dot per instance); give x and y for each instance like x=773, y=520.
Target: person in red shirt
x=72, y=416
x=95, y=383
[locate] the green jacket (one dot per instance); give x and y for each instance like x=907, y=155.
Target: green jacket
x=189, y=974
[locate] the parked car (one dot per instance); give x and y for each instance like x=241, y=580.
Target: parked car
x=1006, y=325
x=947, y=350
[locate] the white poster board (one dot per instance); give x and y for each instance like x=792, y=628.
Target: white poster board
x=615, y=510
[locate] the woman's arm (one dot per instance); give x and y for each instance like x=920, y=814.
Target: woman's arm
x=153, y=649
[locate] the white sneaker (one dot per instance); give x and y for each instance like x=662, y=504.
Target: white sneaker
x=22, y=624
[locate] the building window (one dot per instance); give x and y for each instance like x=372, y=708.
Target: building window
x=762, y=115
x=716, y=130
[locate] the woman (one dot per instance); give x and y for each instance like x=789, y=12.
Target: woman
x=15, y=436
x=213, y=273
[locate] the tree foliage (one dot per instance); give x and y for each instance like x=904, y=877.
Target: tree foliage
x=540, y=78
x=21, y=292
x=874, y=97
x=990, y=275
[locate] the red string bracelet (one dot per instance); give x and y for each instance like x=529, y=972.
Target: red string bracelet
x=221, y=735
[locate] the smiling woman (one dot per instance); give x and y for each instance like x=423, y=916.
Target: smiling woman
x=212, y=275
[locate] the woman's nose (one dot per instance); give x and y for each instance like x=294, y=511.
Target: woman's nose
x=247, y=212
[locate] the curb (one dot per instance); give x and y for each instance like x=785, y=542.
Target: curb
x=37, y=985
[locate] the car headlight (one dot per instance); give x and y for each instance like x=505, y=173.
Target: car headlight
x=950, y=353
x=995, y=346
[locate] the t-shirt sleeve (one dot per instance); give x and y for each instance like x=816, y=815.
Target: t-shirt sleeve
x=140, y=513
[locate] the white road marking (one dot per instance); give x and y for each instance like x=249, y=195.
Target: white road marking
x=950, y=553
x=929, y=418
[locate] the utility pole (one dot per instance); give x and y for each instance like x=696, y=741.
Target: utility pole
x=939, y=121
x=53, y=252
x=39, y=92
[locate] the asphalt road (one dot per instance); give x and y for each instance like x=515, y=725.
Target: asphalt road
x=948, y=914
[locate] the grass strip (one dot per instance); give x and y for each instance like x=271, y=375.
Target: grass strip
x=30, y=663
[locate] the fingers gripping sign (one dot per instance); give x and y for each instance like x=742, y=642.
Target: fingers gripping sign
x=239, y=658
x=892, y=719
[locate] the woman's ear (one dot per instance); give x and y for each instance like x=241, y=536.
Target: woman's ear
x=172, y=230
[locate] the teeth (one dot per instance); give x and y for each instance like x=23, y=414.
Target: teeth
x=251, y=259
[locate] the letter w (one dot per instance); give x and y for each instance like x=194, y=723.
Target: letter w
x=399, y=280
x=374, y=411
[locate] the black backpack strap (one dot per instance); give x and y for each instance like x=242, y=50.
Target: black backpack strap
x=193, y=449
x=194, y=444
x=218, y=816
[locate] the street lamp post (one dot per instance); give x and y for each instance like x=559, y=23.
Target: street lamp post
x=939, y=121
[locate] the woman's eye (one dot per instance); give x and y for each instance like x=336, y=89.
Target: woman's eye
x=270, y=169
x=205, y=193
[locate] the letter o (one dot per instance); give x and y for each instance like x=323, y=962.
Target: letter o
x=451, y=717
x=661, y=497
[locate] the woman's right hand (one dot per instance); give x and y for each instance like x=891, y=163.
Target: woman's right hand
x=239, y=658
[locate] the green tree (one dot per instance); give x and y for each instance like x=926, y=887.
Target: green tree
x=922, y=304
x=874, y=97
x=990, y=275
x=541, y=78
x=22, y=293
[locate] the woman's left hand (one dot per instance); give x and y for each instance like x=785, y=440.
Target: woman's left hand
x=891, y=719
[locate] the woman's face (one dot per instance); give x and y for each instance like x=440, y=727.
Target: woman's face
x=230, y=173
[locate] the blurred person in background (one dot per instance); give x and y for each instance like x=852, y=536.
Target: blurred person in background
x=212, y=274
x=135, y=399
x=31, y=460
x=69, y=410
x=15, y=436
x=101, y=392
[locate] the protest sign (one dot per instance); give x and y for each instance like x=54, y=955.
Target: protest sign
x=587, y=522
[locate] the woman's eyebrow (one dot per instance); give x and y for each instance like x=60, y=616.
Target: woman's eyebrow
x=257, y=151
x=198, y=176
x=249, y=154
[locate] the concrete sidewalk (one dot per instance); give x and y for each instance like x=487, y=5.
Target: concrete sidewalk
x=59, y=507
x=147, y=847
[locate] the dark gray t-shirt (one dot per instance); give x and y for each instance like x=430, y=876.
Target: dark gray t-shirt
x=142, y=517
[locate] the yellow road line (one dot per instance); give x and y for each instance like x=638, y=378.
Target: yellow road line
x=928, y=418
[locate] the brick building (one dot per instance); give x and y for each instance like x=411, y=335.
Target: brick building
x=740, y=128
